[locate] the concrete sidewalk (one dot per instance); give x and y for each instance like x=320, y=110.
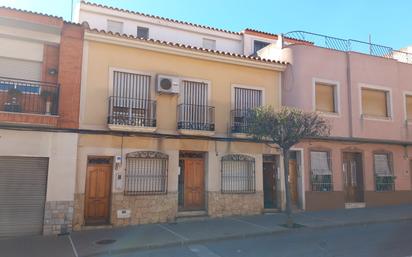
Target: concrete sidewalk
x=133, y=238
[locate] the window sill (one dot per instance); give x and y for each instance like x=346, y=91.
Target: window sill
x=131, y=128
x=375, y=118
x=196, y=132
x=241, y=135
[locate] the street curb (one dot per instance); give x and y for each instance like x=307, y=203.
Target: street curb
x=240, y=236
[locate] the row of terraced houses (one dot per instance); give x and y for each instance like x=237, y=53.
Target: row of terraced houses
x=123, y=118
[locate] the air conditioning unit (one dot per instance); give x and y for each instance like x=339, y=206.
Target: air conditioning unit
x=167, y=84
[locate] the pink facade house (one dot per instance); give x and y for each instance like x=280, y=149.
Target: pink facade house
x=365, y=91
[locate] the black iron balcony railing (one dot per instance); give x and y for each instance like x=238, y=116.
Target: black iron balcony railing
x=385, y=183
x=125, y=111
x=28, y=96
x=351, y=45
x=195, y=117
x=239, y=119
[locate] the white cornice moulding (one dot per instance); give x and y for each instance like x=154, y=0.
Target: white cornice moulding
x=182, y=52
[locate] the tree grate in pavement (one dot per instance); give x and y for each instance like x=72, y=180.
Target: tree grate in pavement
x=105, y=242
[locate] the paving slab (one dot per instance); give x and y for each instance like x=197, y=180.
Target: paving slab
x=215, y=229
x=36, y=246
x=127, y=239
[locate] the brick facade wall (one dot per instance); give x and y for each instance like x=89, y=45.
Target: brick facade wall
x=70, y=63
x=220, y=205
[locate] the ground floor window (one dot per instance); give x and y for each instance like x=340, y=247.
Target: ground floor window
x=321, y=173
x=146, y=173
x=384, y=178
x=238, y=174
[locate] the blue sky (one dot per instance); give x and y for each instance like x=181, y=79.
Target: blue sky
x=388, y=22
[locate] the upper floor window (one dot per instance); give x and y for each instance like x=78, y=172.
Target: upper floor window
x=257, y=45
x=320, y=166
x=209, y=43
x=244, y=100
x=142, y=32
x=146, y=173
x=130, y=103
x=385, y=181
x=238, y=174
x=408, y=107
x=326, y=97
x=115, y=26
x=375, y=102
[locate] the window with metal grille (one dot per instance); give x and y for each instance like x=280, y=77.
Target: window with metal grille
x=384, y=178
x=321, y=171
x=245, y=99
x=146, y=173
x=238, y=174
x=143, y=32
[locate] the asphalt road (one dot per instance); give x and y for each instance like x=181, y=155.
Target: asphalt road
x=376, y=240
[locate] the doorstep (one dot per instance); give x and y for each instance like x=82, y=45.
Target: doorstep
x=271, y=210
x=355, y=205
x=191, y=215
x=94, y=227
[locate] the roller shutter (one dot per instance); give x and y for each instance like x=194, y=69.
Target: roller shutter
x=23, y=183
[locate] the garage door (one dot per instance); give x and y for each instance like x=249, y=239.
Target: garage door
x=22, y=195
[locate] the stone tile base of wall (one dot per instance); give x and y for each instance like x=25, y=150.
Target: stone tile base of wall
x=220, y=205
x=144, y=209
x=58, y=217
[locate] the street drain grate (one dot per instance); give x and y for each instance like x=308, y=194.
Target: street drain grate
x=105, y=242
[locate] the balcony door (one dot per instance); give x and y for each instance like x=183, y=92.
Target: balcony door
x=193, y=109
x=130, y=100
x=244, y=100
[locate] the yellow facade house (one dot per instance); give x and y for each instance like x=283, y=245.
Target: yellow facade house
x=164, y=132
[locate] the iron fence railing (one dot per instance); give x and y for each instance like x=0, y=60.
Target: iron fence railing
x=132, y=112
x=239, y=120
x=385, y=183
x=322, y=183
x=28, y=96
x=350, y=45
x=196, y=117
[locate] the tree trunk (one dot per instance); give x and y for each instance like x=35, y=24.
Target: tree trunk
x=289, y=221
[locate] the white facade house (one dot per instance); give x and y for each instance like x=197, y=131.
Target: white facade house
x=158, y=28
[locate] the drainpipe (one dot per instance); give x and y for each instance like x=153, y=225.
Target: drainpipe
x=349, y=82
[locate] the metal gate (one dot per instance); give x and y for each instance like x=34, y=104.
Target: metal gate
x=23, y=183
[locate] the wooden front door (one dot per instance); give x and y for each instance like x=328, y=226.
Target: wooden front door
x=352, y=177
x=194, y=184
x=293, y=181
x=98, y=188
x=269, y=184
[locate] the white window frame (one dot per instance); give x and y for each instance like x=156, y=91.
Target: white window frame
x=117, y=21
x=389, y=101
x=232, y=97
x=153, y=94
x=209, y=88
x=336, y=95
x=210, y=40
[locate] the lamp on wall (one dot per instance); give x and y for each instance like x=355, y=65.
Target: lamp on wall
x=52, y=71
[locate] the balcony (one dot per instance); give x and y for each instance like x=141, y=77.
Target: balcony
x=196, y=119
x=131, y=114
x=28, y=101
x=239, y=123
x=350, y=45
x=27, y=96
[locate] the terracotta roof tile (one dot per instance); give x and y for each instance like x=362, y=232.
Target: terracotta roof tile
x=188, y=47
x=274, y=36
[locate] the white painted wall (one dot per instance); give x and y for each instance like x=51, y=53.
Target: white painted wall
x=159, y=29
x=60, y=148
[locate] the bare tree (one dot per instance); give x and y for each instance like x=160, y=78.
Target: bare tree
x=285, y=128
